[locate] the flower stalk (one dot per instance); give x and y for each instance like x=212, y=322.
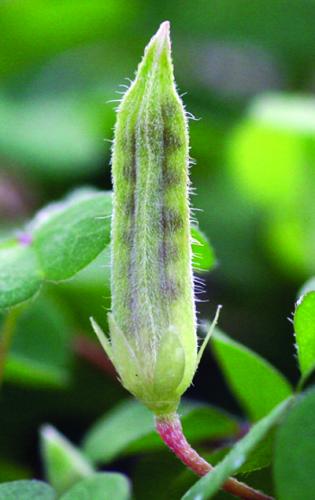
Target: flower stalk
x=171, y=432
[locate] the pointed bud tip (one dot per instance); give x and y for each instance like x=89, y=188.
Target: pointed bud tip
x=163, y=31
x=48, y=432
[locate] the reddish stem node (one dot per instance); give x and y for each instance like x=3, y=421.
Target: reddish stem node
x=171, y=432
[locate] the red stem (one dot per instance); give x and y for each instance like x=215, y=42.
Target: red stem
x=171, y=432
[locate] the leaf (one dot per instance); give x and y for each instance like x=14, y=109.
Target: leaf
x=129, y=428
x=60, y=241
x=64, y=464
x=295, y=451
x=115, y=431
x=245, y=371
x=308, y=286
x=203, y=253
x=33, y=373
x=40, y=354
x=154, y=476
x=61, y=143
x=71, y=239
x=26, y=490
x=88, y=293
x=208, y=485
x=273, y=134
x=304, y=327
x=20, y=276
x=100, y=486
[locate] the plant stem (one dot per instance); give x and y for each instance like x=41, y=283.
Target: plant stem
x=6, y=335
x=171, y=432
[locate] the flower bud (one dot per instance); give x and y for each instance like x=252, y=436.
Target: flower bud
x=153, y=342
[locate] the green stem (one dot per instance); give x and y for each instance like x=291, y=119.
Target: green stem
x=6, y=335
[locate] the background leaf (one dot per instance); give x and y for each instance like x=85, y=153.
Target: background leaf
x=61, y=240
x=245, y=371
x=304, y=327
x=295, y=451
x=26, y=490
x=72, y=238
x=208, y=485
x=113, y=430
x=64, y=464
x=44, y=359
x=100, y=486
x=20, y=276
x=203, y=253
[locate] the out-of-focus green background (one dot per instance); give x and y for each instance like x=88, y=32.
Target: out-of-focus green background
x=248, y=71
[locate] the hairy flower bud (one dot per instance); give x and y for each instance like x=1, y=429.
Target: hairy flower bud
x=153, y=342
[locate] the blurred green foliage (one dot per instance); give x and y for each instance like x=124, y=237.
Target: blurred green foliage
x=249, y=71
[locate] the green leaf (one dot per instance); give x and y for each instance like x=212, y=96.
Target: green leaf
x=245, y=371
x=87, y=294
x=304, y=327
x=40, y=354
x=61, y=143
x=155, y=475
x=33, y=373
x=62, y=239
x=26, y=490
x=308, y=286
x=208, y=485
x=273, y=134
x=259, y=458
x=100, y=486
x=72, y=238
x=116, y=430
x=64, y=464
x=295, y=451
x=203, y=253
x=20, y=276
x=129, y=428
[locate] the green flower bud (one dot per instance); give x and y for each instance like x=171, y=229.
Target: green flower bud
x=153, y=341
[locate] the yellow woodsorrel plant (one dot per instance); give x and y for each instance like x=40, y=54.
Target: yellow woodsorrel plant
x=153, y=339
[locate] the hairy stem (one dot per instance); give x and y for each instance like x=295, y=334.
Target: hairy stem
x=6, y=334
x=171, y=432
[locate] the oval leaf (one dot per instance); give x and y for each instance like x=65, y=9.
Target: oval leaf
x=245, y=371
x=295, y=452
x=304, y=327
x=100, y=486
x=61, y=240
x=26, y=490
x=20, y=275
x=73, y=237
x=64, y=463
